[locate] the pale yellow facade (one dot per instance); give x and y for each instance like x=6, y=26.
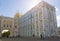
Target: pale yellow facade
x=11, y=24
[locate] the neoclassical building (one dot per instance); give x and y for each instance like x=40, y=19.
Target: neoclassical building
x=40, y=20
x=11, y=24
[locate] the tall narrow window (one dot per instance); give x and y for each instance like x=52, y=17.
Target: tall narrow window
x=7, y=25
x=10, y=26
x=15, y=26
x=4, y=25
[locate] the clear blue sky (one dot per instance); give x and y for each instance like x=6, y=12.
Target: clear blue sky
x=10, y=7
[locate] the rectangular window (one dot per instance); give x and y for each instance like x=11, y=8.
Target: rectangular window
x=7, y=25
x=10, y=26
x=15, y=26
x=59, y=32
x=4, y=25
x=37, y=33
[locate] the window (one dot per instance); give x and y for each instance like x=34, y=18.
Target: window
x=37, y=24
x=4, y=25
x=59, y=32
x=10, y=25
x=37, y=33
x=15, y=26
x=7, y=25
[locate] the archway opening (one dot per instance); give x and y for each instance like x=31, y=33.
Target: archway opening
x=5, y=33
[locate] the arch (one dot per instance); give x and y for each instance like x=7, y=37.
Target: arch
x=5, y=33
